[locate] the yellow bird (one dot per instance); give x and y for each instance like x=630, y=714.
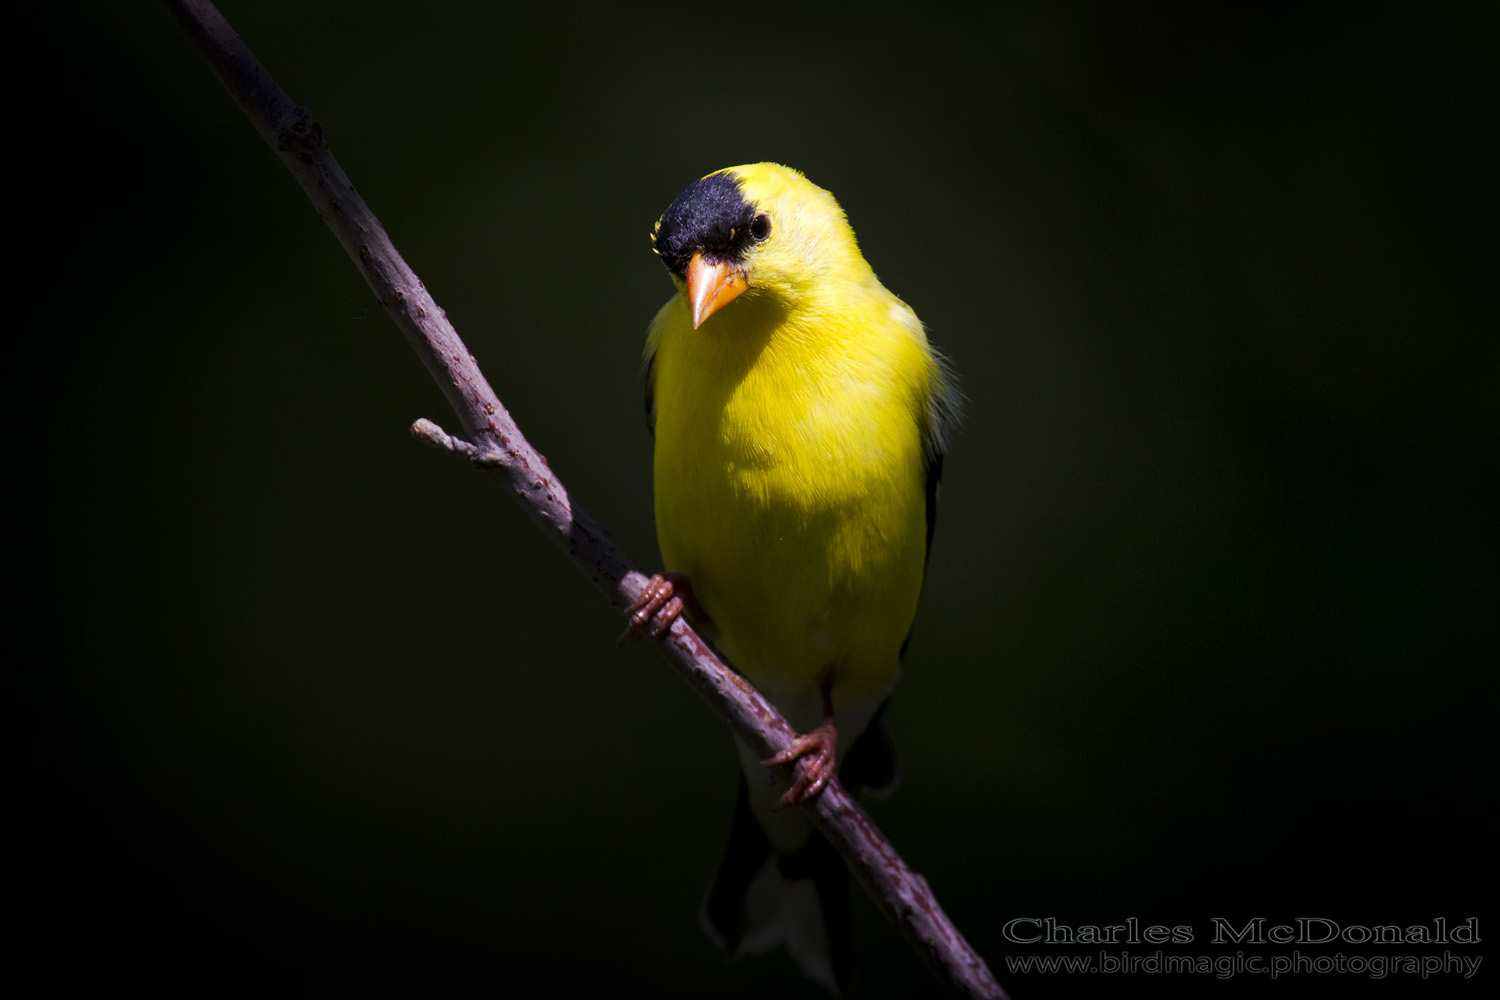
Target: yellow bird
x=800, y=417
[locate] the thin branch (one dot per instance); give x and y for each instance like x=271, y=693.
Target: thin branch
x=493, y=443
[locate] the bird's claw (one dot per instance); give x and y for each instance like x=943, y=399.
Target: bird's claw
x=816, y=752
x=657, y=607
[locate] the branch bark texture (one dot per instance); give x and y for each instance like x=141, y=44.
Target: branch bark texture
x=494, y=444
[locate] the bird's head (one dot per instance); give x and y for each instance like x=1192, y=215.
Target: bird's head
x=761, y=229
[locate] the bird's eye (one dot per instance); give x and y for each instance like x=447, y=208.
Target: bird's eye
x=760, y=227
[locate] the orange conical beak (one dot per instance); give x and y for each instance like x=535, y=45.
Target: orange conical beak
x=711, y=287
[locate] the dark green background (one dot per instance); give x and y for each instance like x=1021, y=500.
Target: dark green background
x=1209, y=624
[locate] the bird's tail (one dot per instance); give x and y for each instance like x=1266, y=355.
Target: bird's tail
x=798, y=898
x=760, y=899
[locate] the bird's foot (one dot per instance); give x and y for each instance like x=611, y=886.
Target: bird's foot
x=815, y=750
x=661, y=602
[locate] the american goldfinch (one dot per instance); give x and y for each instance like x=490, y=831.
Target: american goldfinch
x=800, y=416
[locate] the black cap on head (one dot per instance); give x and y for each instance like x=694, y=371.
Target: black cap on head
x=711, y=216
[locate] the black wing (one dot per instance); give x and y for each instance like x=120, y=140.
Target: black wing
x=651, y=427
x=934, y=474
